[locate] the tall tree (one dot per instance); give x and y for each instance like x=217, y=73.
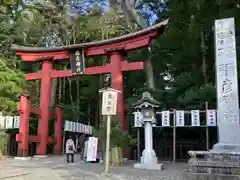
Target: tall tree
x=132, y=14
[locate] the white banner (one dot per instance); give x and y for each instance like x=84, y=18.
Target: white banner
x=9, y=122
x=165, y=118
x=73, y=127
x=180, y=121
x=87, y=129
x=70, y=126
x=90, y=130
x=84, y=128
x=2, y=122
x=137, y=119
x=92, y=149
x=109, y=103
x=16, y=122
x=211, y=117
x=195, y=118
x=154, y=124
x=226, y=72
x=66, y=126
x=78, y=127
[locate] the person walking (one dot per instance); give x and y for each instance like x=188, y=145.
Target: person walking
x=70, y=149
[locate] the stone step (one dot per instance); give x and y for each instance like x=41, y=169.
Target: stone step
x=219, y=164
x=207, y=176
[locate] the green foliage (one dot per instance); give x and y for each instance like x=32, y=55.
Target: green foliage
x=3, y=140
x=183, y=62
x=12, y=83
x=118, y=138
x=178, y=55
x=46, y=23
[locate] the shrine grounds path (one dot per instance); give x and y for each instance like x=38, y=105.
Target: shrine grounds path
x=55, y=168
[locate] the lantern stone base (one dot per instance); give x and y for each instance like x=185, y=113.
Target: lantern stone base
x=23, y=158
x=40, y=156
x=149, y=161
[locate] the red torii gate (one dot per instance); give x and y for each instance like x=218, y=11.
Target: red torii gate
x=114, y=48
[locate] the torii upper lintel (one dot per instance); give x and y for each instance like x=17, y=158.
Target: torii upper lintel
x=128, y=42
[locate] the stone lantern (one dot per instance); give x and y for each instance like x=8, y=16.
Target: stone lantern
x=147, y=106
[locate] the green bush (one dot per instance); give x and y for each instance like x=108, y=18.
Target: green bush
x=3, y=139
x=118, y=138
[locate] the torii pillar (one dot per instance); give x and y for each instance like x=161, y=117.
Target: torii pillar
x=117, y=83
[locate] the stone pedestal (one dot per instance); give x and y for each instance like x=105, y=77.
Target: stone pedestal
x=40, y=156
x=229, y=138
x=206, y=165
x=148, y=159
x=23, y=158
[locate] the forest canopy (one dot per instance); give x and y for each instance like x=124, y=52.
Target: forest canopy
x=181, y=62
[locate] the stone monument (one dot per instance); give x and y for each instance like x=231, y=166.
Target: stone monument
x=147, y=106
x=227, y=87
x=223, y=161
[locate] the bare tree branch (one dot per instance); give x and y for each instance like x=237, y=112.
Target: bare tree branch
x=130, y=11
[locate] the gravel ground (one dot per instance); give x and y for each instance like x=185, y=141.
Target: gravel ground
x=55, y=168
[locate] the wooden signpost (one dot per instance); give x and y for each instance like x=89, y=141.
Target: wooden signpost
x=109, y=108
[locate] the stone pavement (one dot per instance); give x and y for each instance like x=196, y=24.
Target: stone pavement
x=55, y=168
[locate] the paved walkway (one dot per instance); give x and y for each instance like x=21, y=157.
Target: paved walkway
x=55, y=168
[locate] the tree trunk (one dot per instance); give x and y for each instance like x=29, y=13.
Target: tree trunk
x=60, y=90
x=78, y=98
x=71, y=97
x=203, y=52
x=131, y=13
x=149, y=73
x=116, y=158
x=53, y=92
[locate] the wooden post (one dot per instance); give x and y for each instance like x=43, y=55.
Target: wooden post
x=138, y=144
x=207, y=132
x=63, y=142
x=174, y=136
x=109, y=107
x=108, y=143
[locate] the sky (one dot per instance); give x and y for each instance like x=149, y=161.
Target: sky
x=80, y=6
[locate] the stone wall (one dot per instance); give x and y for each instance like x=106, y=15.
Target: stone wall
x=204, y=165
